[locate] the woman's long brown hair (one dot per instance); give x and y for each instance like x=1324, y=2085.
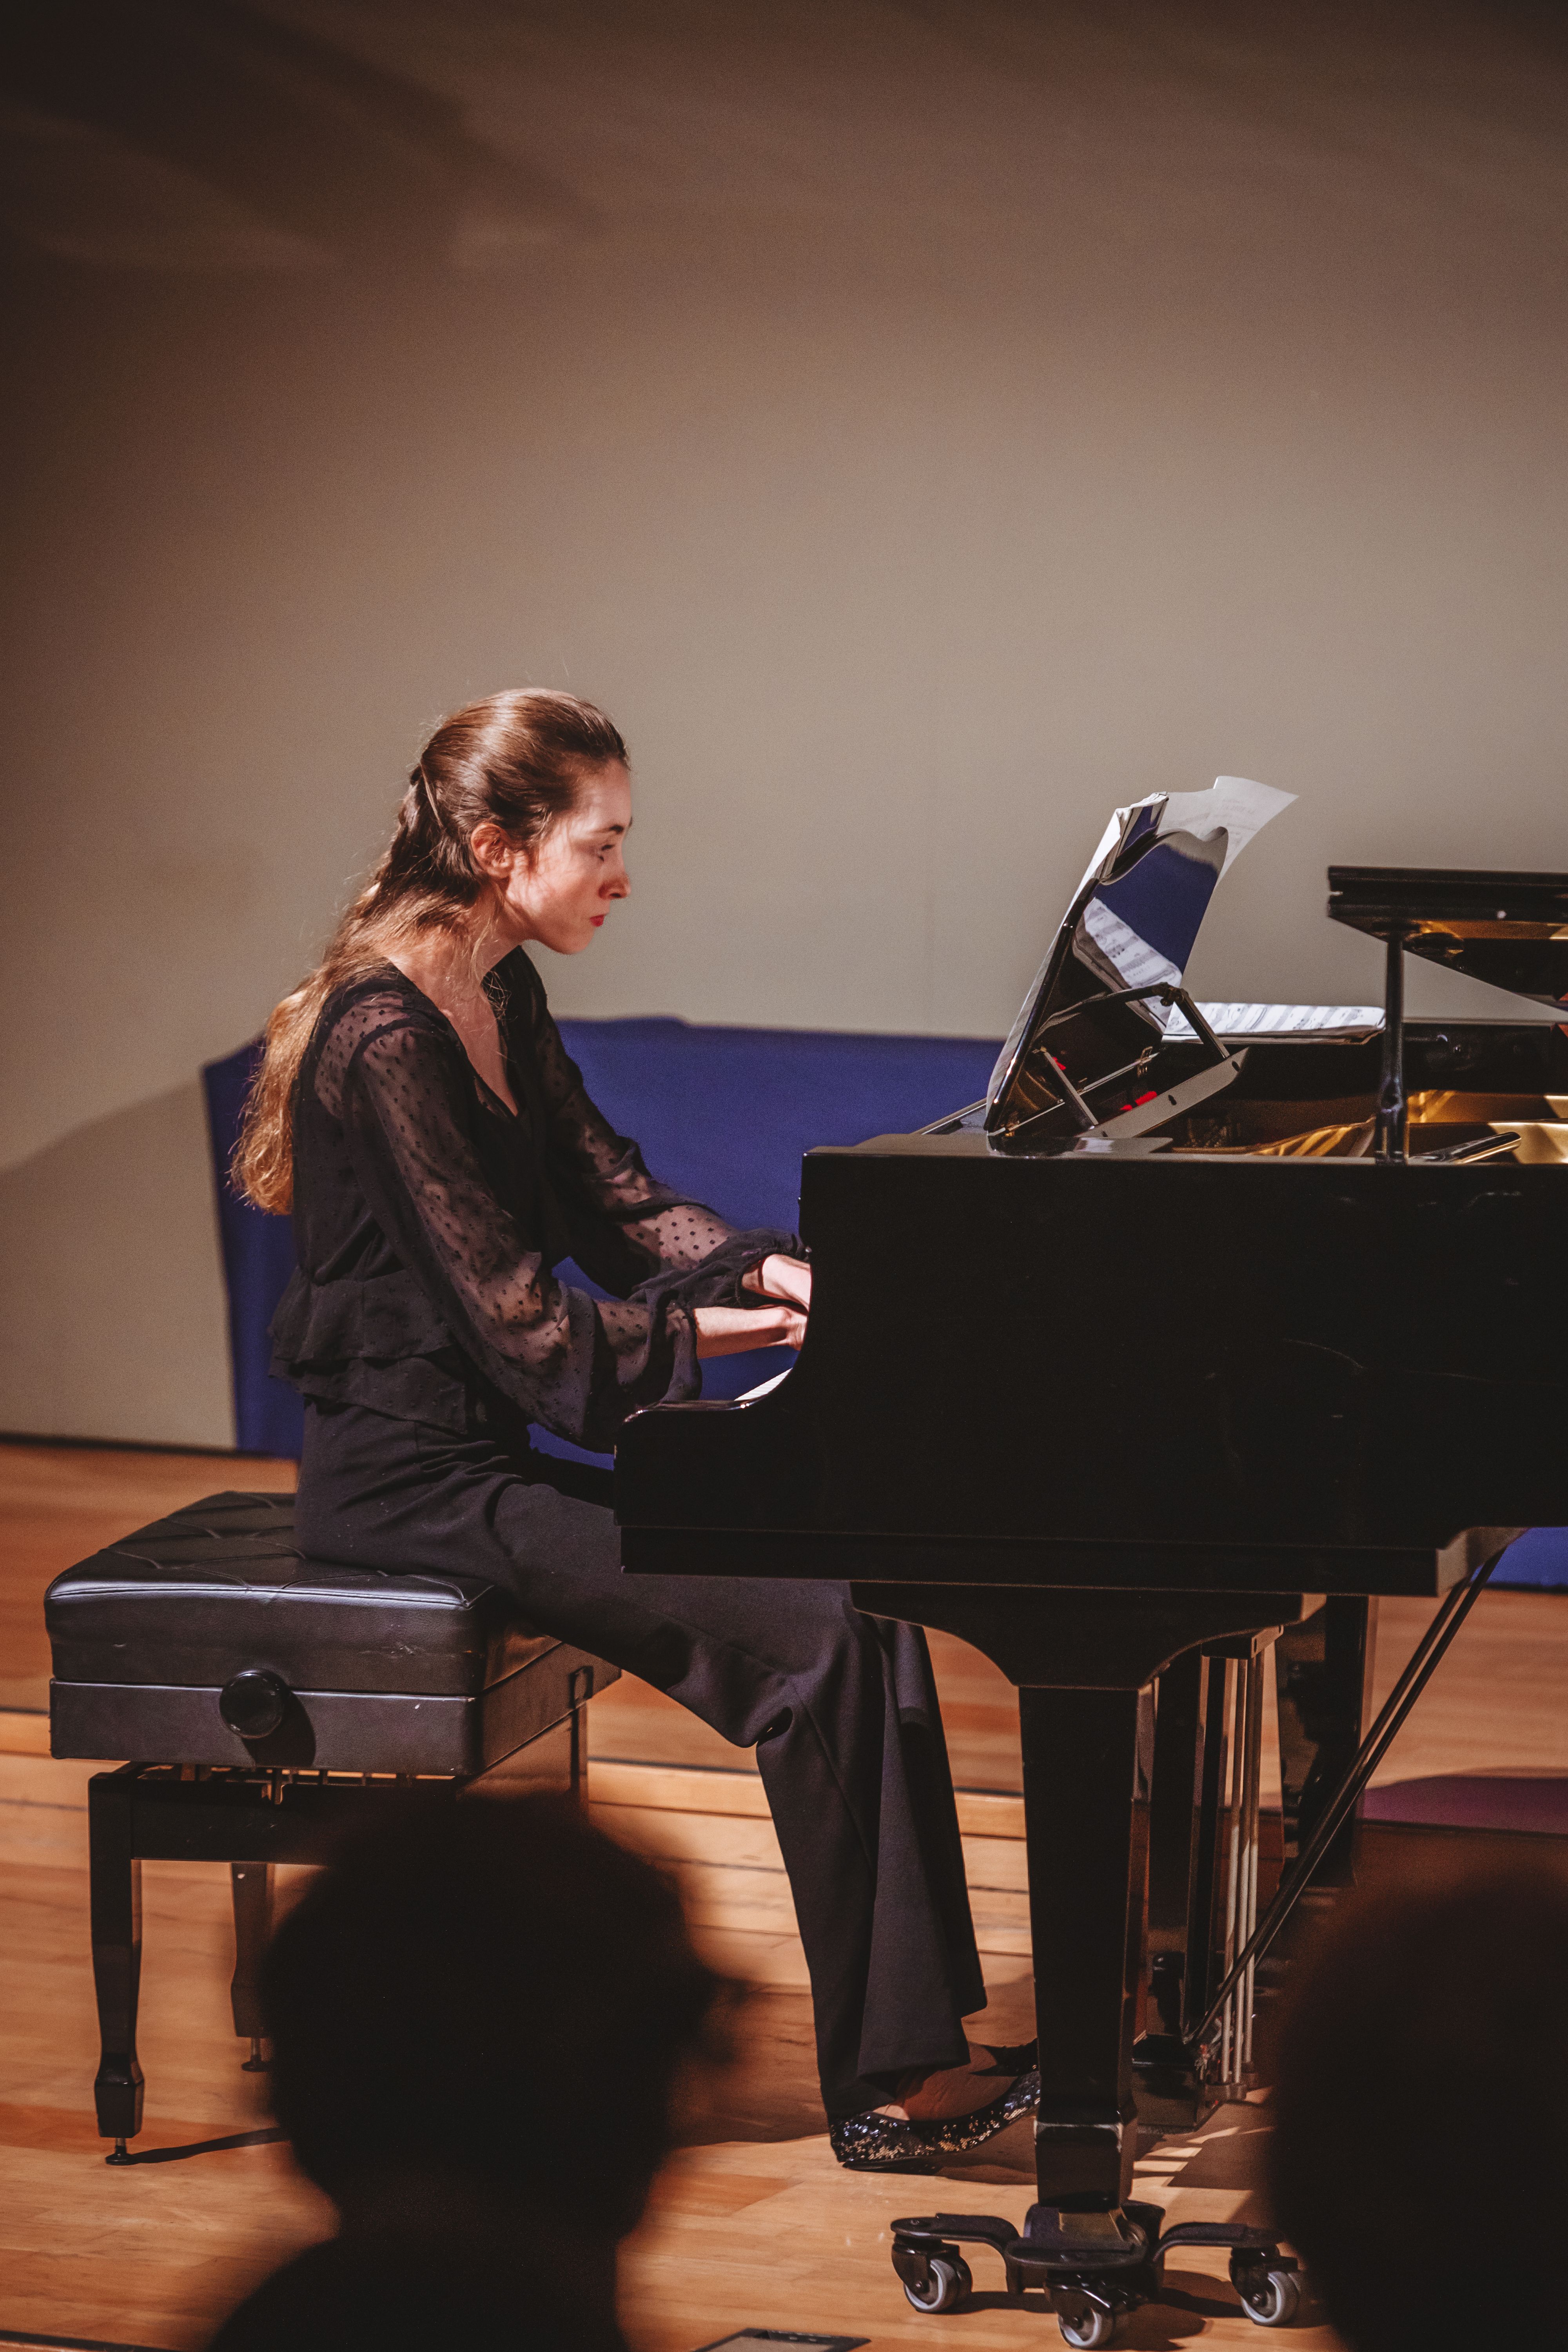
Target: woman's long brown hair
x=516, y=758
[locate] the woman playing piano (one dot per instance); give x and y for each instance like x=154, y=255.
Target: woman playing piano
x=418, y=1113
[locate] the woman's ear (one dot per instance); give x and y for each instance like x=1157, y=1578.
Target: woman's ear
x=490, y=850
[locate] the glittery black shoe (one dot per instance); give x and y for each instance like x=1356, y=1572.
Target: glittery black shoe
x=878, y=2143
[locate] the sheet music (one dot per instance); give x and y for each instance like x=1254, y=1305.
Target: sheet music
x=749, y=1396
x=1230, y=1021
x=1232, y=804
x=1133, y=962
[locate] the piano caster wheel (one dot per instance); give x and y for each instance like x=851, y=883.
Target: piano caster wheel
x=118, y=2154
x=944, y=2288
x=256, y=2063
x=1084, y=2322
x=1269, y=2298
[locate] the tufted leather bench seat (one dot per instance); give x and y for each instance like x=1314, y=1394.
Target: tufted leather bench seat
x=264, y=1701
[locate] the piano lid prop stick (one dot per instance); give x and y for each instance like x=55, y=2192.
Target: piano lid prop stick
x=1393, y=1111
x=1426, y=1658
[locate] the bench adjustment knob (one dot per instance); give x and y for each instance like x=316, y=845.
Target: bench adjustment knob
x=254, y=1703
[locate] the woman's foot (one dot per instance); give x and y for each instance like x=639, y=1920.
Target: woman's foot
x=950, y=2112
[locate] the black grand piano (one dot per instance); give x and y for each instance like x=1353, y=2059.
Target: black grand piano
x=1221, y=1331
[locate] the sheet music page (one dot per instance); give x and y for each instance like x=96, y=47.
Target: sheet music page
x=1234, y=804
x=1230, y=1021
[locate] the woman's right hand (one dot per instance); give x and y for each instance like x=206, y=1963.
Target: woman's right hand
x=731, y=1330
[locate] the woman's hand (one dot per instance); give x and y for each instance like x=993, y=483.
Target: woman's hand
x=781, y=1277
x=785, y=1282
x=730, y=1330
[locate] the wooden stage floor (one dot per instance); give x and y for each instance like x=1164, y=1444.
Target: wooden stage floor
x=753, y=2225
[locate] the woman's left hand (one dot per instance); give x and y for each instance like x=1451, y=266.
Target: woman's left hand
x=781, y=1277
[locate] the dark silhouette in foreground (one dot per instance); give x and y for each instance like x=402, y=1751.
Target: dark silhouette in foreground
x=1418, y=2161
x=478, y=2018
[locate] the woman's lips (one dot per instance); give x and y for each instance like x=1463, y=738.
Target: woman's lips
x=595, y=921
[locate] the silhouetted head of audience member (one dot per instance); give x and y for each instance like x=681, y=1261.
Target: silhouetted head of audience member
x=1418, y=2153
x=479, y=2015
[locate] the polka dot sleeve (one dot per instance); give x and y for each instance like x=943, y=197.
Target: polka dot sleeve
x=577, y=1365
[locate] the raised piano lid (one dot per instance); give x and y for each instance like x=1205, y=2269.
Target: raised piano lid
x=1132, y=922
x=1508, y=929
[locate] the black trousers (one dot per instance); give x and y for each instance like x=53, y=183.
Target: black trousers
x=841, y=1708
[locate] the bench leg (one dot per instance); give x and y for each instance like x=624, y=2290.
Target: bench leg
x=115, y=1874
x=251, y=1885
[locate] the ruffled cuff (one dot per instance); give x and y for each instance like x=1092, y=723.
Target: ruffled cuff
x=686, y=1376
x=717, y=1281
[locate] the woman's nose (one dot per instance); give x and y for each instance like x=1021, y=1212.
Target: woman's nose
x=618, y=883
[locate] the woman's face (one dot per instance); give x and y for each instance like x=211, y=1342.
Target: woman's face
x=561, y=894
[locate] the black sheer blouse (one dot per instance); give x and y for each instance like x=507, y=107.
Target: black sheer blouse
x=429, y=1219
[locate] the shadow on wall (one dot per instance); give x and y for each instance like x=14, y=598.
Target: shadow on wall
x=169, y=134
x=111, y=1290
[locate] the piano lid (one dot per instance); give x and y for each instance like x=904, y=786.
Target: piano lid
x=1508, y=929
x=1133, y=923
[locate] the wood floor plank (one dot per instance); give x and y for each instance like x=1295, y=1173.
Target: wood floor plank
x=746, y=1842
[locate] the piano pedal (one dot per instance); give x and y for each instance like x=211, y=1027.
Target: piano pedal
x=1175, y=2095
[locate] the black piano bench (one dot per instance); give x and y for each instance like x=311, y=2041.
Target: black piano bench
x=267, y=1704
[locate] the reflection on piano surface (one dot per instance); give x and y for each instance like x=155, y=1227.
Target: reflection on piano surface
x=1211, y=1333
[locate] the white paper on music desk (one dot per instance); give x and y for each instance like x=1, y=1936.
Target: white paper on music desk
x=1242, y=807
x=1230, y=1021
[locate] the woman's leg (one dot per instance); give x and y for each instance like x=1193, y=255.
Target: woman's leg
x=841, y=1708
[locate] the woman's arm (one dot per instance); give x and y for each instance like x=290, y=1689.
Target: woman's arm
x=577, y=1365
x=732, y=1331
x=630, y=1226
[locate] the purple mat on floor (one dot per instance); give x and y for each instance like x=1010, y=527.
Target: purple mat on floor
x=1475, y=1801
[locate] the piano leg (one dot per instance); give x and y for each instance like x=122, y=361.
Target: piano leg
x=1098, y=2249
x=1087, y=1862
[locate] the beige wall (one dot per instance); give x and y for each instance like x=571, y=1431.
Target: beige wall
x=110, y=1297
x=922, y=426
